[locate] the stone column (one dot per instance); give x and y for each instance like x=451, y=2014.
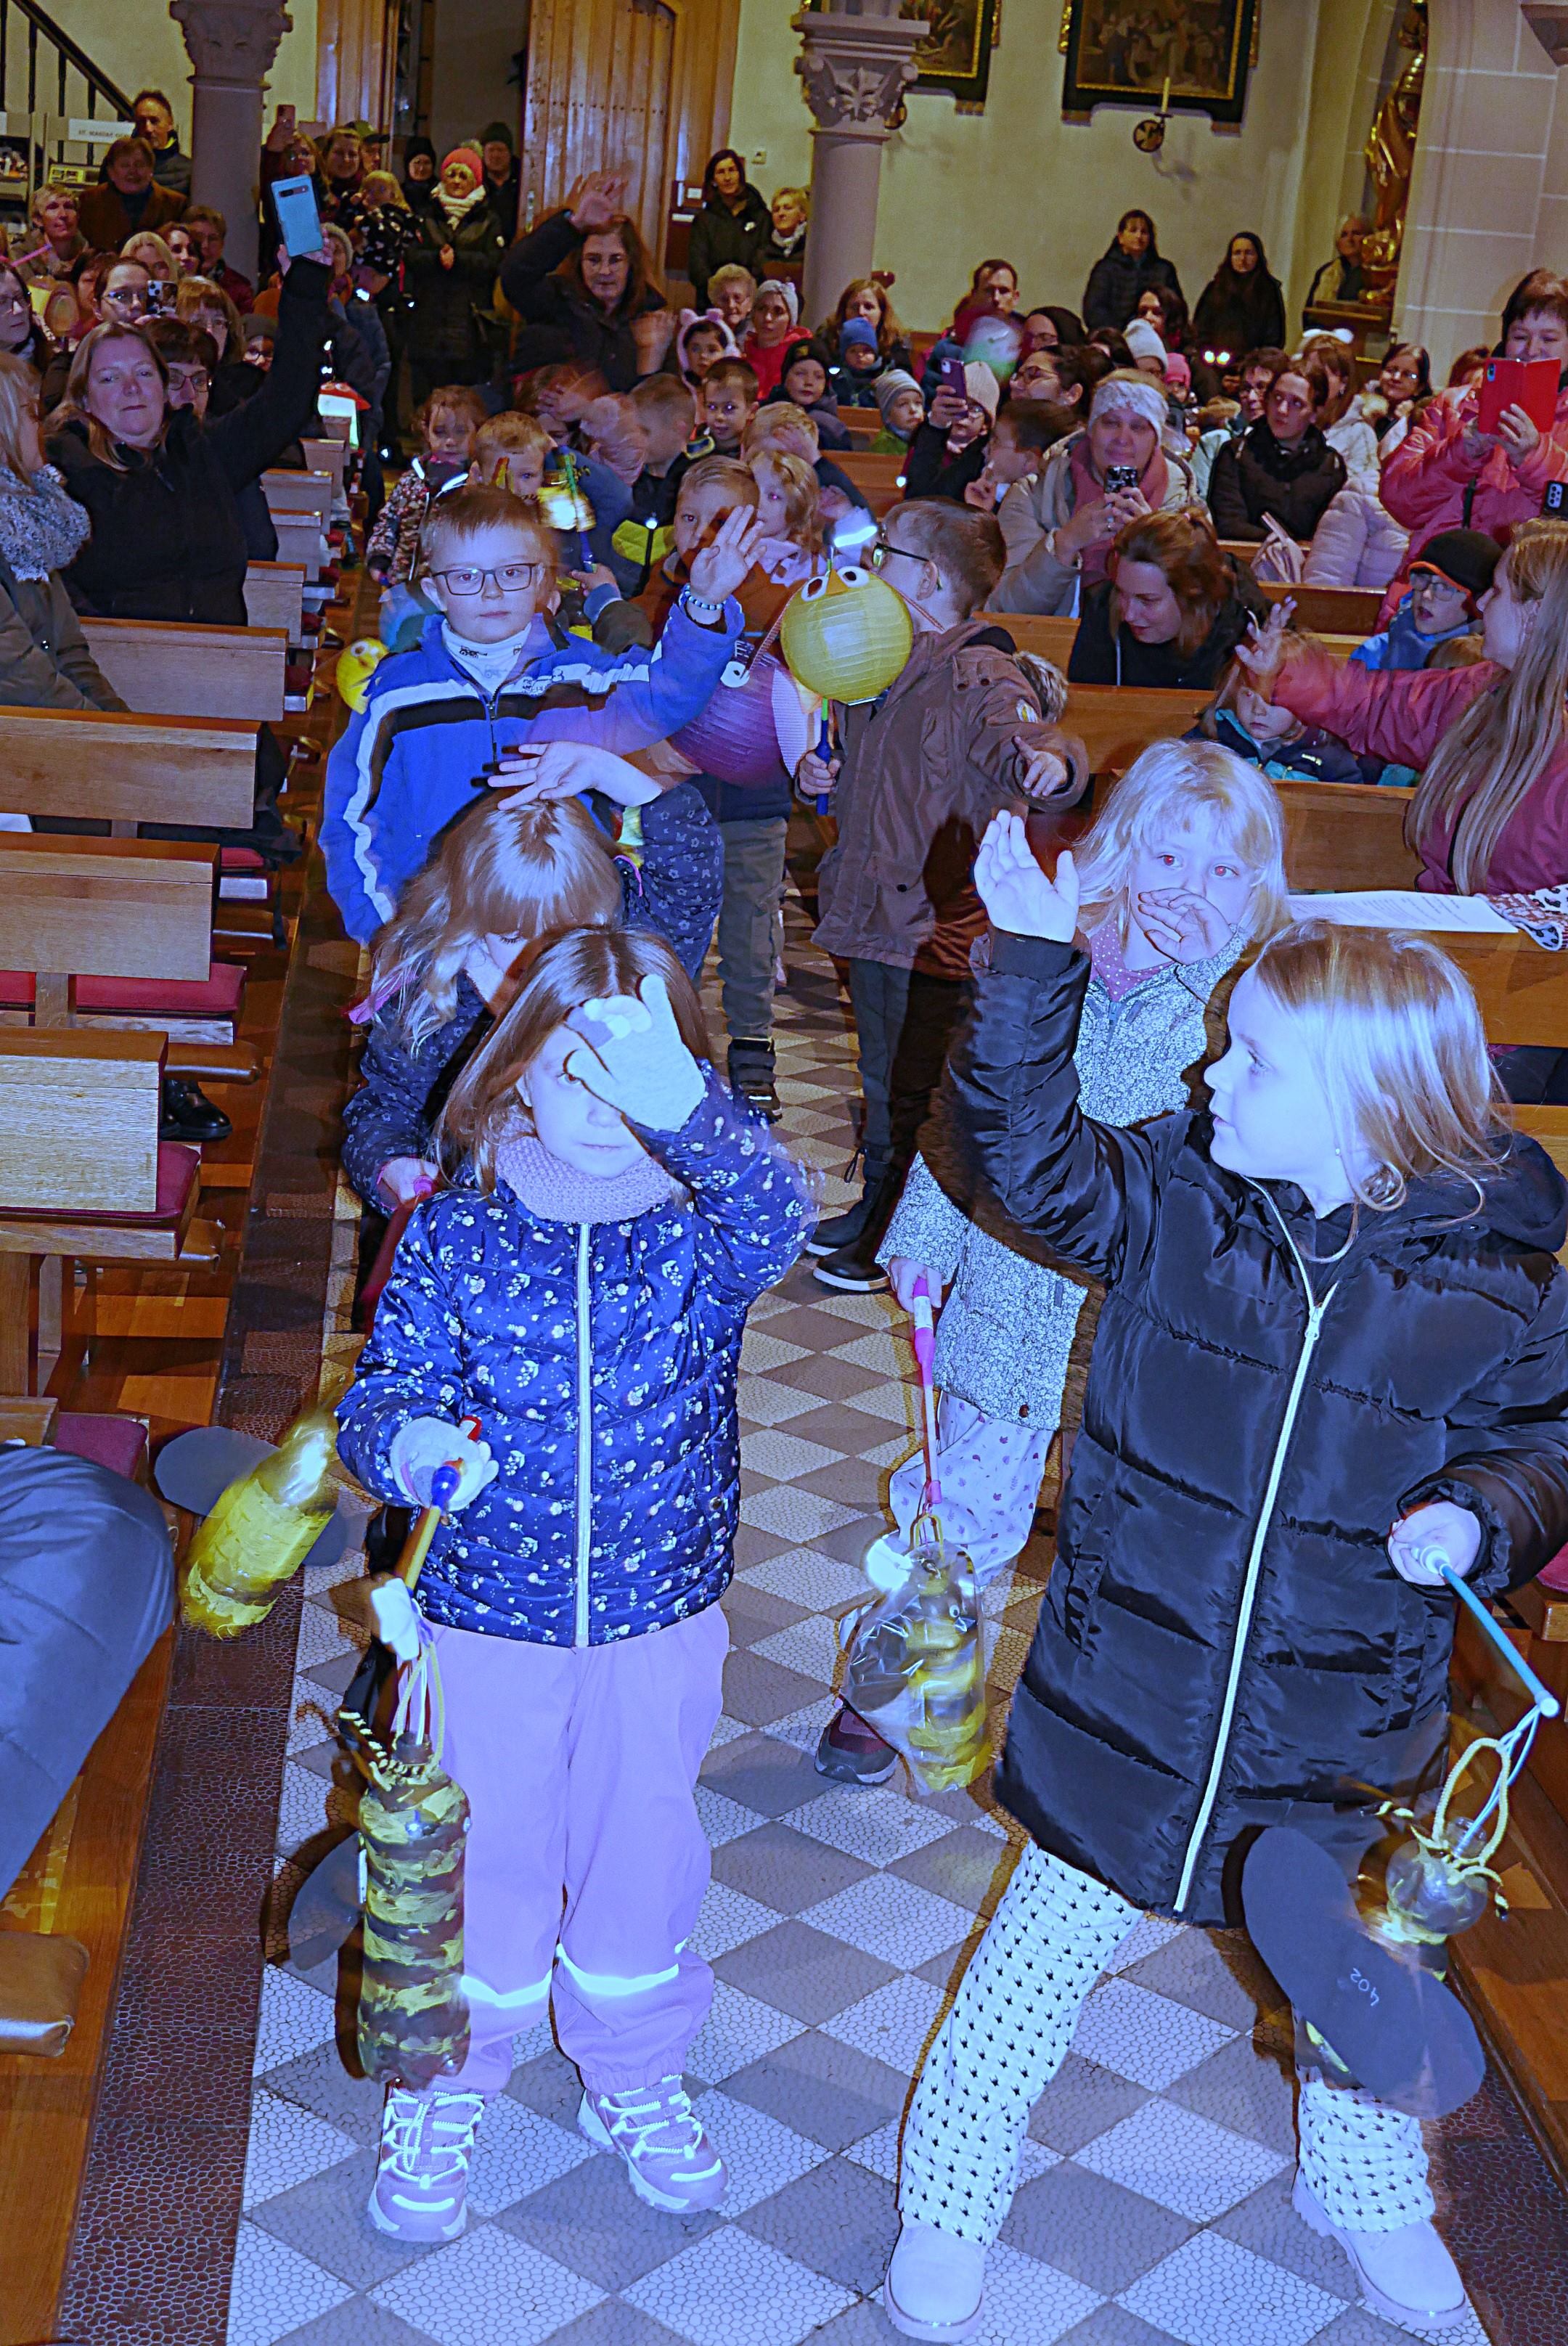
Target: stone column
x=857, y=57
x=232, y=43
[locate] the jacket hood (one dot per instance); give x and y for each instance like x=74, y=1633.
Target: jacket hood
x=1524, y=1201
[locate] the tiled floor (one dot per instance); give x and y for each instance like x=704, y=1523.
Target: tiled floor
x=1154, y=2196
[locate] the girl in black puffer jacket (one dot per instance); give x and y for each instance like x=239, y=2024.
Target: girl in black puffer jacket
x=1332, y=1308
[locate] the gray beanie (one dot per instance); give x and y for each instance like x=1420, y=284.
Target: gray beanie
x=888, y=386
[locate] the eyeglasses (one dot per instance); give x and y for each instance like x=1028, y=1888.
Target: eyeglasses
x=509, y=577
x=880, y=551
x=124, y=297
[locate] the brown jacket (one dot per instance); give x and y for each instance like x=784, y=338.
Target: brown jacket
x=104, y=220
x=923, y=771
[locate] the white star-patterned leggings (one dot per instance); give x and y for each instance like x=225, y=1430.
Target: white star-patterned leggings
x=1009, y=2031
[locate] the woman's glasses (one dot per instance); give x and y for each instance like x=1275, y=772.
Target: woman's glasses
x=510, y=577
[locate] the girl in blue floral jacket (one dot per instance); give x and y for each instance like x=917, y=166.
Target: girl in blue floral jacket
x=581, y=1290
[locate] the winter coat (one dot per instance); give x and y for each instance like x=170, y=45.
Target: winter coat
x=1255, y=476
x=45, y=662
x=1354, y=440
x=924, y=768
x=931, y=472
x=1240, y=313
x=104, y=218
x=427, y=737
x=720, y=237
x=443, y=330
x=1401, y=643
x=168, y=540
x=1098, y=657
x=504, y=196
x=1116, y=281
x=392, y=547
x=560, y=322
x=404, y=1088
x=1005, y=1331
x=1429, y=484
x=1224, y=1643
x=1033, y=509
x=1358, y=543
x=609, y=1345
x=1400, y=717
x=1339, y=279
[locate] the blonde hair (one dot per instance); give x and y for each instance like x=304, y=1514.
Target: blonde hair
x=731, y=273
x=1170, y=785
x=144, y=241
x=586, y=966
x=799, y=196
x=779, y=424
x=803, y=498
x=381, y=187
x=1487, y=765
x=464, y=514
x=511, y=870
x=965, y=546
x=18, y=396
x=510, y=434
x=1396, y=1038
x=724, y=473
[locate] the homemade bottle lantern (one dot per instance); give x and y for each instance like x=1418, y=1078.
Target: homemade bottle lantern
x=846, y=636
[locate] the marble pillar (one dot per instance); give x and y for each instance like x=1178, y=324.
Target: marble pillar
x=231, y=44
x=857, y=58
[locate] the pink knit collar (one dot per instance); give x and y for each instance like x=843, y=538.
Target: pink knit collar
x=557, y=1192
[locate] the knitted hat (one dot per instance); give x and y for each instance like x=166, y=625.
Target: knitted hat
x=1143, y=339
x=1465, y=557
x=856, y=330
x=1178, y=373
x=888, y=385
x=980, y=386
x=787, y=294
x=496, y=134
x=469, y=155
x=1124, y=394
x=690, y=322
x=804, y=346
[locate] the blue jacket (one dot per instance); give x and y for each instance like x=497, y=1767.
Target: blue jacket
x=402, y=1089
x=427, y=737
x=600, y=1359
x=1401, y=643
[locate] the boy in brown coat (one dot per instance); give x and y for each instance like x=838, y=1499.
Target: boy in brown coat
x=964, y=730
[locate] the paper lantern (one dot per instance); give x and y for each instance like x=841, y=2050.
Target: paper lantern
x=735, y=737
x=356, y=663
x=847, y=636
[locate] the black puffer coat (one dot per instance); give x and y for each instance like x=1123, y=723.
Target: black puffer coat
x=1255, y=476
x=1100, y=656
x=1119, y=279
x=443, y=330
x=559, y=322
x=720, y=238
x=1225, y=1644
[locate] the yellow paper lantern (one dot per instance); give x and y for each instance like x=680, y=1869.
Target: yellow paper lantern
x=847, y=636
x=356, y=663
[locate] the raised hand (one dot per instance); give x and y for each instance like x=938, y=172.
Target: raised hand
x=562, y=770
x=1180, y=924
x=1441, y=1533
x=1263, y=651
x=632, y=1058
x=720, y=569
x=596, y=199
x=1016, y=893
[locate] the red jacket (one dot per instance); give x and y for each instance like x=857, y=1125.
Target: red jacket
x=767, y=364
x=1425, y=481
x=1401, y=714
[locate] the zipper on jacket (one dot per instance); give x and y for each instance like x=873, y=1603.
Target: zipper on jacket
x=585, y=1435
x=1254, y=1565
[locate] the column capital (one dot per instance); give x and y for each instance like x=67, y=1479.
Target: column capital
x=233, y=41
x=854, y=67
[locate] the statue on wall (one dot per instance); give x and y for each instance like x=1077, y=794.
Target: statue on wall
x=1390, y=154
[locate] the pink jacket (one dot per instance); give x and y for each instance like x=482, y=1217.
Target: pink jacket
x=1401, y=714
x=1356, y=544
x=1425, y=480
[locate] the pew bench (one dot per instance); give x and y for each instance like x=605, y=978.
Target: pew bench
x=878, y=478
x=1117, y=724
x=298, y=492
x=1053, y=638
x=274, y=598
x=101, y=765
x=162, y=670
x=1331, y=610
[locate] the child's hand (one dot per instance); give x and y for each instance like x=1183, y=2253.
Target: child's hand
x=906, y=1274
x=447, y=257
x=1043, y=772
x=1180, y=924
x=405, y=1178
x=632, y=1058
x=425, y=1443
x=1017, y=894
x=561, y=769
x=720, y=569
x=1442, y=1532
x=653, y=334
x=1265, y=650
x=396, y=1617
x=815, y=777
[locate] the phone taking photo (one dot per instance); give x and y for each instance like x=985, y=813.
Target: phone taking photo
x=299, y=220
x=1120, y=476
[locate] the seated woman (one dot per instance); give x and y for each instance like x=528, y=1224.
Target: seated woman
x=862, y=296
x=1170, y=610
x=1490, y=810
x=1331, y=372
x=1282, y=470
x=1049, y=378
x=1390, y=401
x=774, y=314
x=1060, y=526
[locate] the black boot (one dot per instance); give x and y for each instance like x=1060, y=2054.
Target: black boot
x=853, y=1267
x=751, y=1077
x=836, y=1231
x=187, y=1114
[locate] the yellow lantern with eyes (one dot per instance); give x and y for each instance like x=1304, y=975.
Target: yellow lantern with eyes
x=356, y=663
x=847, y=636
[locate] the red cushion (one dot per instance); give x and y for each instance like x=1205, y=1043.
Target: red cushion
x=240, y=858
x=179, y=1170
x=118, y=1442
x=1555, y=1576
x=144, y=997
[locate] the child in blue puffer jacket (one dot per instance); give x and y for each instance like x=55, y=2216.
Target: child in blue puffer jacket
x=492, y=674
x=581, y=1290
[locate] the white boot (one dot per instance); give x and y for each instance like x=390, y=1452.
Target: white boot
x=1406, y=2275
x=935, y=2285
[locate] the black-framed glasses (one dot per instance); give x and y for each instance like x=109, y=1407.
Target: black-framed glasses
x=880, y=550
x=509, y=577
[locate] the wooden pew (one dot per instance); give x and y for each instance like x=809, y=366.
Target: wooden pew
x=301, y=543
x=1034, y=631
x=1346, y=835
x=1117, y=724
x=1521, y=988
x=125, y=769
x=330, y=456
x=878, y=478
x=297, y=493
x=1331, y=610
x=274, y=598
x=162, y=671
x=861, y=423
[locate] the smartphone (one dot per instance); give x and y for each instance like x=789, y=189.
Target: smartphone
x=160, y=293
x=299, y=221
x=1530, y=384
x=1120, y=476
x=950, y=374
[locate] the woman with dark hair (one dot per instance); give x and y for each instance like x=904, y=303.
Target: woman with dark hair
x=1242, y=307
x=734, y=225
x=420, y=173
x=1162, y=308
x=1283, y=470
x=342, y=169
x=582, y=285
x=1169, y=611
x=1130, y=264
x=1402, y=382
x=1049, y=327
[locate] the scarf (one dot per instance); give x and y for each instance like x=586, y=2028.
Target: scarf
x=557, y=1192
x=457, y=208
x=1153, y=483
x=41, y=529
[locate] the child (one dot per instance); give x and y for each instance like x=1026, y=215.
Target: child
x=519, y=867
x=731, y=290
x=921, y=773
x=1331, y=1310
x=446, y=422
x=774, y=315
x=489, y=675
x=803, y=381
x=709, y=492
x=1180, y=875
x=701, y=340
x=948, y=449
x=860, y=362
x=781, y=424
x=1013, y=451
x=728, y=397
x=558, y=394
x=510, y=452
x=1453, y=572
x=789, y=507
x=902, y=405
x=581, y=1289
x=665, y=413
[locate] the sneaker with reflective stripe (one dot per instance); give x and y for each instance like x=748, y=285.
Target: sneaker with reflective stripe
x=421, y=2190
x=671, y=2160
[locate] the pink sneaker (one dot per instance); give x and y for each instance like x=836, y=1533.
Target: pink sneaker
x=654, y=2128
x=421, y=2190
x=1406, y=2275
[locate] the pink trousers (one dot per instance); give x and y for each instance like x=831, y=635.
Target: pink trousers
x=587, y=1861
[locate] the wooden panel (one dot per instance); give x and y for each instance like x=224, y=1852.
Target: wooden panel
x=172, y=671
x=1116, y=725
x=355, y=60
x=1053, y=638
x=296, y=493
x=109, y=768
x=1331, y=610
x=1521, y=988
x=100, y=908
x=1346, y=835
x=300, y=542
x=330, y=456
x=78, y=1121
x=274, y=596
x=861, y=423
x=30, y=1420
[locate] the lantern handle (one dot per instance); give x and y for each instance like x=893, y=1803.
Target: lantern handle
x=1541, y=1696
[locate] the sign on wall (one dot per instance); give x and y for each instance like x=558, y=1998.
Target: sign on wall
x=1186, y=56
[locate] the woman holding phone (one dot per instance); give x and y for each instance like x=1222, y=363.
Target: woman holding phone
x=1060, y=524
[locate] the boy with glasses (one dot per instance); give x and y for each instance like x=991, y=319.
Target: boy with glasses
x=492, y=673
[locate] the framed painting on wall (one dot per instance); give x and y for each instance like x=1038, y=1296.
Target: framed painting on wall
x=1183, y=55
x=956, y=55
